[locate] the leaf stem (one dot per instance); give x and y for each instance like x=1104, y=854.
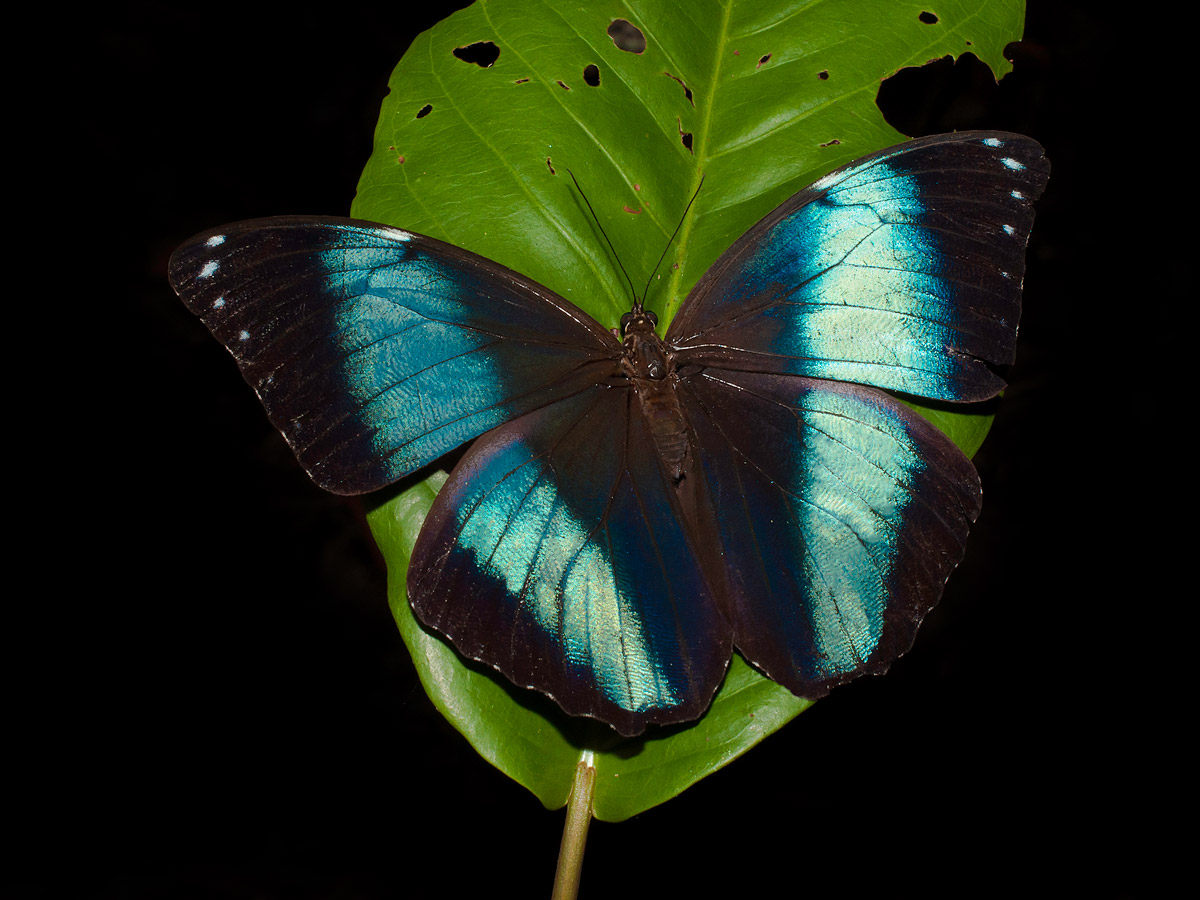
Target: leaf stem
x=575, y=829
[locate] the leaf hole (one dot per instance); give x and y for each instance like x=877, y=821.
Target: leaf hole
x=685, y=137
x=928, y=18
x=550, y=166
x=627, y=36
x=687, y=91
x=832, y=143
x=561, y=85
x=631, y=210
x=520, y=81
x=763, y=60
x=483, y=53
x=942, y=95
x=823, y=74
x=424, y=111
x=591, y=75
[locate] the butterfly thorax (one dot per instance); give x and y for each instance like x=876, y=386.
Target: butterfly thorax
x=649, y=365
x=646, y=356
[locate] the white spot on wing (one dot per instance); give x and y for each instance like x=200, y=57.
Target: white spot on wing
x=216, y=240
x=243, y=335
x=1009, y=230
x=209, y=269
x=993, y=142
x=219, y=302
x=1017, y=195
x=823, y=182
x=1011, y=163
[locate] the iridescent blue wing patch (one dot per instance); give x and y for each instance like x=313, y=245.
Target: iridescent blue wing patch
x=901, y=270
x=375, y=350
x=842, y=514
x=559, y=554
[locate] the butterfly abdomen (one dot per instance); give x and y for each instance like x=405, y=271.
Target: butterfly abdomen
x=666, y=423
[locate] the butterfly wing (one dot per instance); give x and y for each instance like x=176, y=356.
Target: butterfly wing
x=901, y=270
x=842, y=515
x=558, y=553
x=841, y=512
x=375, y=350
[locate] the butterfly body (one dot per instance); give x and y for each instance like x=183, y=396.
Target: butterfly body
x=634, y=506
x=648, y=363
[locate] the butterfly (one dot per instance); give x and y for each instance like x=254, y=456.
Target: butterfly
x=634, y=506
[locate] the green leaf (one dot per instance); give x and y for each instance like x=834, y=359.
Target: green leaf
x=759, y=98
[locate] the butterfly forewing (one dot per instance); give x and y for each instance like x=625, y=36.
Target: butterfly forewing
x=901, y=270
x=374, y=350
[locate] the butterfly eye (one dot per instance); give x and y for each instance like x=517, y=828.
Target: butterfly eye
x=625, y=319
x=653, y=319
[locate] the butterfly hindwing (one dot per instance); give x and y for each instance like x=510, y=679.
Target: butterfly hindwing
x=557, y=553
x=901, y=270
x=842, y=514
x=375, y=350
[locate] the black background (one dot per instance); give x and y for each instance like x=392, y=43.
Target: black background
x=211, y=698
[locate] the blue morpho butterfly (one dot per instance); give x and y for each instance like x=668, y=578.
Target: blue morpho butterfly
x=635, y=507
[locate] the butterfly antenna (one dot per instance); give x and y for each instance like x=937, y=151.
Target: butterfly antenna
x=616, y=256
x=673, y=236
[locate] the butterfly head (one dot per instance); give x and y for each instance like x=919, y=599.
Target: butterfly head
x=638, y=321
